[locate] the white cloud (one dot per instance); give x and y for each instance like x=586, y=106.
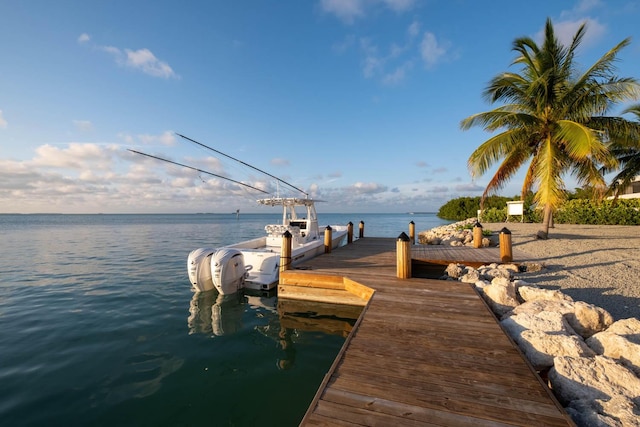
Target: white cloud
x=584, y=6
x=83, y=38
x=397, y=75
x=368, y=188
x=142, y=59
x=83, y=125
x=572, y=19
x=145, y=60
x=430, y=50
x=414, y=29
x=166, y=138
x=3, y=122
x=565, y=30
x=350, y=10
x=279, y=162
x=372, y=62
x=76, y=156
x=345, y=10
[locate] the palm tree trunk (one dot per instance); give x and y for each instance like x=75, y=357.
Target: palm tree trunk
x=548, y=215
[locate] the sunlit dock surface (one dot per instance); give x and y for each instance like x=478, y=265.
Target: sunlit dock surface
x=424, y=352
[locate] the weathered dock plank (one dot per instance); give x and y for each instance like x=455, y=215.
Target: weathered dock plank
x=424, y=352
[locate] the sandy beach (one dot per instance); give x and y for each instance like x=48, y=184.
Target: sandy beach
x=598, y=264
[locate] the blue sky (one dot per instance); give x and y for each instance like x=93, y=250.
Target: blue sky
x=358, y=102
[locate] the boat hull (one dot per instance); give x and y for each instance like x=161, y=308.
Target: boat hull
x=251, y=264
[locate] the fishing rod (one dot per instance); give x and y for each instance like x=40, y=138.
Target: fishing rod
x=196, y=169
x=246, y=164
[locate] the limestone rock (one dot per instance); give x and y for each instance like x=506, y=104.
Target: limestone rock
x=541, y=348
x=471, y=276
x=617, y=347
x=592, y=378
x=501, y=296
x=511, y=267
x=489, y=273
x=455, y=270
x=619, y=411
x=628, y=328
x=585, y=319
x=531, y=293
x=545, y=321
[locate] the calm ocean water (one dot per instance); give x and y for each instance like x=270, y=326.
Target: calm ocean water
x=99, y=326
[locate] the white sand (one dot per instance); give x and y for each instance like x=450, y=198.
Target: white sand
x=598, y=264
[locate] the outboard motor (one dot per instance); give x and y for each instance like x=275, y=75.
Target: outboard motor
x=199, y=268
x=228, y=271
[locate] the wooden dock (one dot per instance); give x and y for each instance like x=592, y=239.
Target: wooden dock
x=423, y=353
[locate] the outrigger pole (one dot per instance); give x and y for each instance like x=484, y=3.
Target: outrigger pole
x=199, y=170
x=246, y=164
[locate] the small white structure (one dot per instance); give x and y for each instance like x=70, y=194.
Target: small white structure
x=515, y=208
x=632, y=191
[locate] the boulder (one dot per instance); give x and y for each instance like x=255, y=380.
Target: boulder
x=455, y=270
x=546, y=321
x=489, y=273
x=628, y=328
x=619, y=411
x=511, y=267
x=585, y=319
x=471, y=276
x=541, y=348
x=501, y=296
x=533, y=293
x=592, y=378
x=617, y=347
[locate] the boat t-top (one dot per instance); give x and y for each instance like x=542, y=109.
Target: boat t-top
x=255, y=264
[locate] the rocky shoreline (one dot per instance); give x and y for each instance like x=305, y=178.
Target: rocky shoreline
x=590, y=360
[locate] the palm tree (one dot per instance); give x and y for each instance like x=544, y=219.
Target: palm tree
x=553, y=118
x=626, y=149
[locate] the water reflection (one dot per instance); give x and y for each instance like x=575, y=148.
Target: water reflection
x=285, y=322
x=217, y=314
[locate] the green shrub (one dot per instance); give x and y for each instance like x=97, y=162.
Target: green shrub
x=573, y=211
x=494, y=215
x=467, y=207
x=582, y=211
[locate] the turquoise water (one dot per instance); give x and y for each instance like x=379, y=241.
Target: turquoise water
x=99, y=326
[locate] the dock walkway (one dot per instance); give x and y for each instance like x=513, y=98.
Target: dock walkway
x=424, y=352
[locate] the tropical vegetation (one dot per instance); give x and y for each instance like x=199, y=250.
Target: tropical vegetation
x=554, y=118
x=626, y=149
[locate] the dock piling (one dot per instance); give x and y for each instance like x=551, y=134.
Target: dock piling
x=361, y=234
x=506, y=253
x=477, y=235
x=412, y=232
x=285, y=254
x=403, y=255
x=350, y=233
x=327, y=239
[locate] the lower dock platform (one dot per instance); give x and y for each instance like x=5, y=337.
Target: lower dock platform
x=423, y=352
